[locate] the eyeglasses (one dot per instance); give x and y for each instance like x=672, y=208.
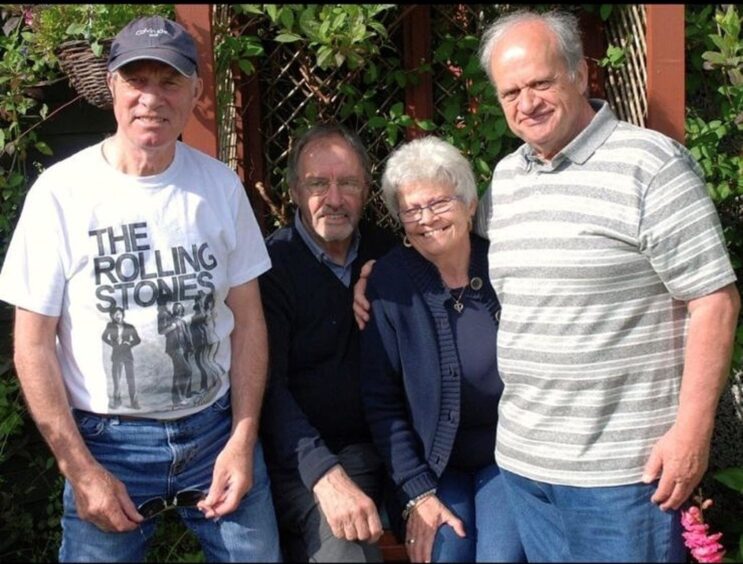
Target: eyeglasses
x=443, y=205
x=320, y=186
x=156, y=505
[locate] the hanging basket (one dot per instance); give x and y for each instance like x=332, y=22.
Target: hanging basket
x=87, y=73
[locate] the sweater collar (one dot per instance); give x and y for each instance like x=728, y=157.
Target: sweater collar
x=426, y=276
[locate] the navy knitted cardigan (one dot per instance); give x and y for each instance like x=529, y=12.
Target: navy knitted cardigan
x=410, y=375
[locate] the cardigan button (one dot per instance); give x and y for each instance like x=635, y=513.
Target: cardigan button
x=496, y=316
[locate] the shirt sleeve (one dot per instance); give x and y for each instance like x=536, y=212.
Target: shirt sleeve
x=249, y=257
x=33, y=275
x=680, y=232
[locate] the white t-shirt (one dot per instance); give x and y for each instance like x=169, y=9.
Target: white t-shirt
x=165, y=249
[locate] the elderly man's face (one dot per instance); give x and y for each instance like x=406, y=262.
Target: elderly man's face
x=542, y=105
x=152, y=102
x=331, y=190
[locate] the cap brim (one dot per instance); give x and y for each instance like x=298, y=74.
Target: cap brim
x=182, y=64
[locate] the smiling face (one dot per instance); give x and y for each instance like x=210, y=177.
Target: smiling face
x=330, y=216
x=435, y=236
x=542, y=104
x=152, y=103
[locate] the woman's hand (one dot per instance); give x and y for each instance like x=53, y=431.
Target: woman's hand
x=423, y=522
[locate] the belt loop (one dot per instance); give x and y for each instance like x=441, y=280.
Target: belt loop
x=114, y=419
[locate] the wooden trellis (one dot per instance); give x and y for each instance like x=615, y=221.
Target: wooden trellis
x=648, y=91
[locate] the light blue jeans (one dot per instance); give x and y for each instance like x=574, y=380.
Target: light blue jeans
x=479, y=499
x=602, y=524
x=159, y=458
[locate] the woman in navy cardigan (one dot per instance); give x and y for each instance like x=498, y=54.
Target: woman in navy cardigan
x=430, y=382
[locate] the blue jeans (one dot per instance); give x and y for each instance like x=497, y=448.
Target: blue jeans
x=479, y=499
x=601, y=524
x=159, y=458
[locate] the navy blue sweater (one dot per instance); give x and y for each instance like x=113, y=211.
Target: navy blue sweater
x=410, y=376
x=312, y=406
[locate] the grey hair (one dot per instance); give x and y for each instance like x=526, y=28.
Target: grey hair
x=428, y=158
x=322, y=131
x=563, y=24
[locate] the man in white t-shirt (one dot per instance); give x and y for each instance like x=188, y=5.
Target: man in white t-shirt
x=144, y=227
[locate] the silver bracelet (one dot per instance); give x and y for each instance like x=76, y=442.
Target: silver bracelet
x=415, y=501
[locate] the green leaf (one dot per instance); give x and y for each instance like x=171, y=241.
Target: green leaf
x=252, y=50
x=286, y=16
x=97, y=48
x=254, y=9
x=340, y=18
x=397, y=110
x=75, y=29
x=732, y=478
x=392, y=132
x=287, y=38
x=605, y=11
x=2, y=139
x=272, y=11
x=377, y=122
x=425, y=124
x=323, y=55
x=43, y=148
x=714, y=57
x=246, y=66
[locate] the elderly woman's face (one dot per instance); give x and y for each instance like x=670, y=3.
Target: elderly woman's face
x=436, y=221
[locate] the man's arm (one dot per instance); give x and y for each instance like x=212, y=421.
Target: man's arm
x=233, y=469
x=100, y=497
x=680, y=457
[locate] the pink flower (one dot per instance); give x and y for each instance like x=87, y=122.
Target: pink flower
x=704, y=547
x=28, y=17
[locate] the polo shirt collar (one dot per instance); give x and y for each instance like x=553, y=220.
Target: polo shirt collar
x=585, y=144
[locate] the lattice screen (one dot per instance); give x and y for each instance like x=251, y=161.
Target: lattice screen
x=626, y=87
x=292, y=85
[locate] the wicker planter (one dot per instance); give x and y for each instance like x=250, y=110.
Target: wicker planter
x=87, y=73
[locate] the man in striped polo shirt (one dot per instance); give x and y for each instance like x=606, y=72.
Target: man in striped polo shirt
x=619, y=309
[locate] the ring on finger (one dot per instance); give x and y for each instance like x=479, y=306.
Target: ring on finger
x=410, y=541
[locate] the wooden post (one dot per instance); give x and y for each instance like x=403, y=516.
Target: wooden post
x=250, y=142
x=594, y=48
x=416, y=29
x=201, y=129
x=665, y=58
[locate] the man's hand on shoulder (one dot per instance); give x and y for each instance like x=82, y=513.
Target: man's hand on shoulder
x=361, y=305
x=352, y=514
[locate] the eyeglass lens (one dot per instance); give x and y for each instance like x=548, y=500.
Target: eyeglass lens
x=322, y=185
x=437, y=207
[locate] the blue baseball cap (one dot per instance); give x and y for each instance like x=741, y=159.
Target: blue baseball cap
x=154, y=38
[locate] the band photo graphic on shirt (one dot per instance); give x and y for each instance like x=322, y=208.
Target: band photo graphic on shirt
x=179, y=359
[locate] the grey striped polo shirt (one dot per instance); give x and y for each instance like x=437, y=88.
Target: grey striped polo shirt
x=593, y=255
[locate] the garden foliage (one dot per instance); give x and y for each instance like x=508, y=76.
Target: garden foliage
x=328, y=38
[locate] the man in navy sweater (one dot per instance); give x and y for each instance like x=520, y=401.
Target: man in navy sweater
x=327, y=479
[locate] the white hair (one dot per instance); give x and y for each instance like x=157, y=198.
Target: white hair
x=428, y=158
x=563, y=24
